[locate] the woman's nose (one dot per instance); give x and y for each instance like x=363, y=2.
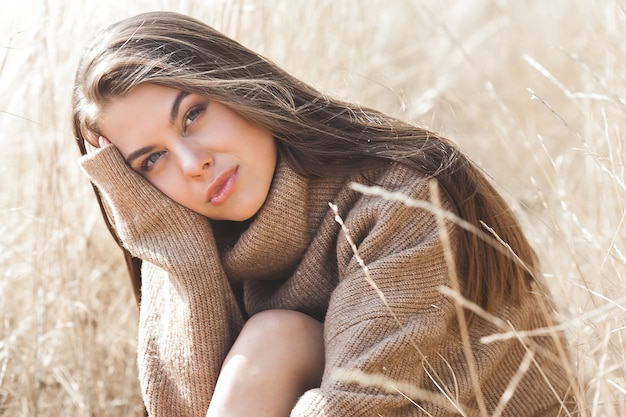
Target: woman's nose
x=194, y=162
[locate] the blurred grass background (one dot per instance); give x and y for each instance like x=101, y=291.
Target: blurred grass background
x=534, y=91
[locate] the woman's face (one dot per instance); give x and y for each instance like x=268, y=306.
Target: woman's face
x=198, y=152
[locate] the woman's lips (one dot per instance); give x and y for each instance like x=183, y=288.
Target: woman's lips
x=221, y=188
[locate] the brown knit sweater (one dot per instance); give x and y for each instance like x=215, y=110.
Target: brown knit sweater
x=294, y=256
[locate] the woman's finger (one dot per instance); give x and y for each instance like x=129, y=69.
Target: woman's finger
x=102, y=141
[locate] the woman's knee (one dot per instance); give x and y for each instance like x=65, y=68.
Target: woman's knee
x=276, y=325
x=284, y=339
x=278, y=355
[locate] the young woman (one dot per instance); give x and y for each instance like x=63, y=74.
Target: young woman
x=270, y=286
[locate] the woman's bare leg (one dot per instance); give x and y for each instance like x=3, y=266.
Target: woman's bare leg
x=278, y=355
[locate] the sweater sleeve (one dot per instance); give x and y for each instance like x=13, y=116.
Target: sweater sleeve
x=189, y=317
x=379, y=352
x=401, y=353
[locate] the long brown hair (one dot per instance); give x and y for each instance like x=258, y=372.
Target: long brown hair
x=316, y=135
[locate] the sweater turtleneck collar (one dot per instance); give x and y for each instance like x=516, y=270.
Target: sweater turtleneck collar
x=279, y=234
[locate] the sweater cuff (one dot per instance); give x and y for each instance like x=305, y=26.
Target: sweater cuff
x=121, y=186
x=312, y=404
x=151, y=226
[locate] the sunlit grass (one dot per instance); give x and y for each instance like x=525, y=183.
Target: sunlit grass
x=534, y=91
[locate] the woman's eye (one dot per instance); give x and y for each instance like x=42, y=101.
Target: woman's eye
x=147, y=163
x=192, y=115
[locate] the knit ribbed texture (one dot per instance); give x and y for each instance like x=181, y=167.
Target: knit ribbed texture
x=189, y=317
x=294, y=256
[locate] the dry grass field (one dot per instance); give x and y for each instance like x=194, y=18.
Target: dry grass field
x=534, y=91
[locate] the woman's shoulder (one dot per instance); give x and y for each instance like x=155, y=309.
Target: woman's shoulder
x=397, y=202
x=398, y=184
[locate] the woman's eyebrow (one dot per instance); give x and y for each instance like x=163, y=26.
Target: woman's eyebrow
x=139, y=152
x=176, y=105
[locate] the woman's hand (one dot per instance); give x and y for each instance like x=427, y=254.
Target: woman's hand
x=148, y=223
x=102, y=142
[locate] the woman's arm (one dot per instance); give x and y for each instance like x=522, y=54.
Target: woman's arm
x=401, y=354
x=373, y=345
x=189, y=317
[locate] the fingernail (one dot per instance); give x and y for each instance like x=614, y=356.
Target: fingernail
x=102, y=141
